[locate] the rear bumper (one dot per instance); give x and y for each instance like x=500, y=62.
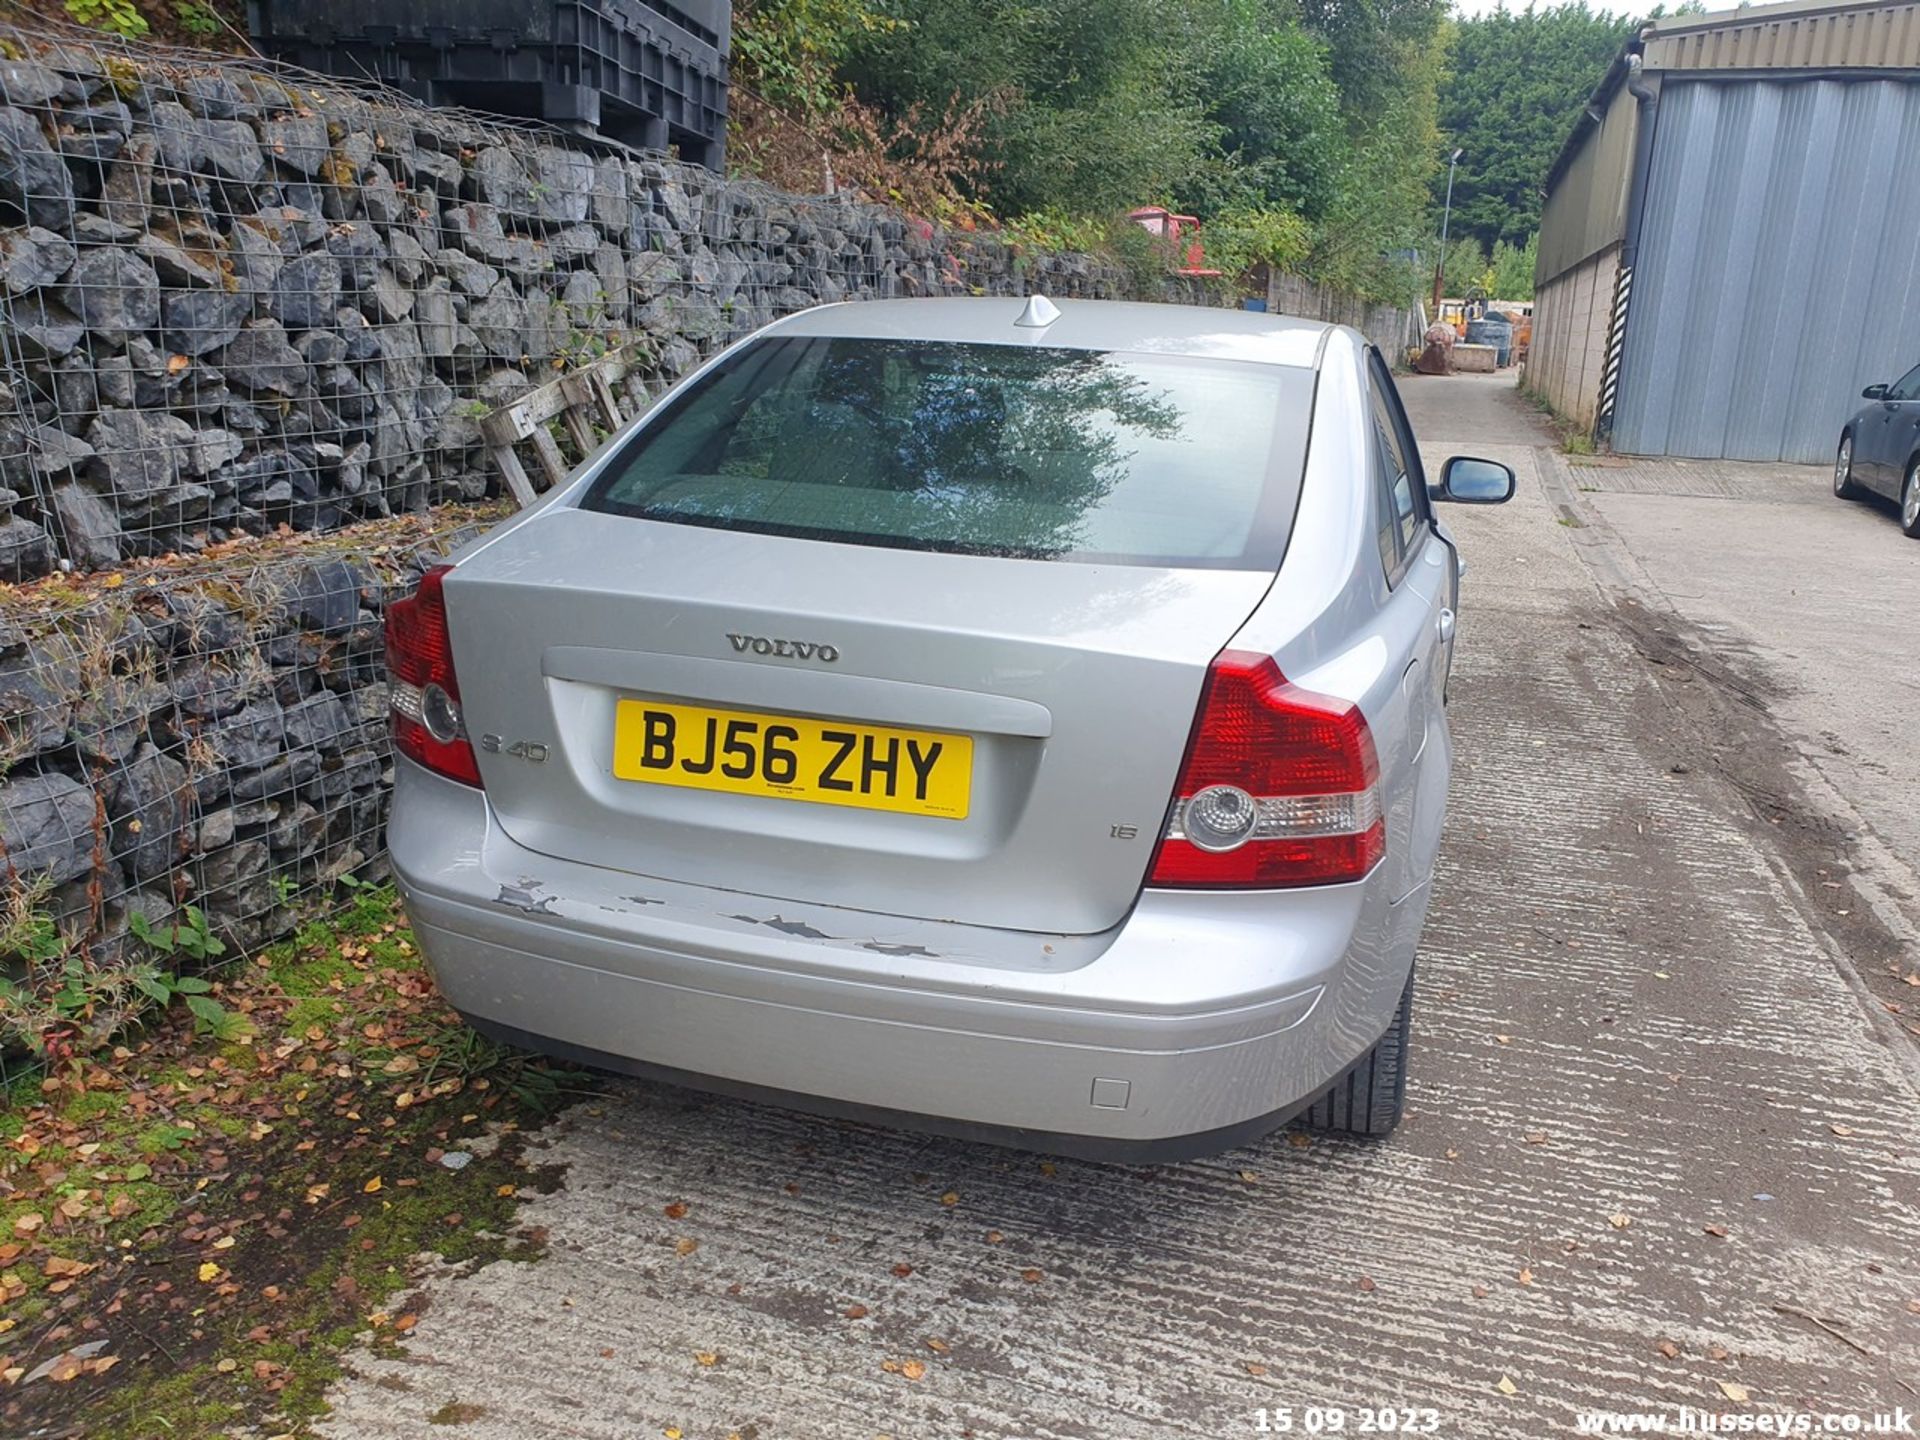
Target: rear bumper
x=1199, y=1021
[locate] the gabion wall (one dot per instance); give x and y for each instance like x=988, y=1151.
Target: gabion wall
x=233, y=297
x=213, y=733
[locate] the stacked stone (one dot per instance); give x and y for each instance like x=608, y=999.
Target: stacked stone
x=233, y=300
x=217, y=738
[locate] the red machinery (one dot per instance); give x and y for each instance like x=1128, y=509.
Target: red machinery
x=1181, y=234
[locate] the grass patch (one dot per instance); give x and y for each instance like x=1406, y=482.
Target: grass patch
x=231, y=1216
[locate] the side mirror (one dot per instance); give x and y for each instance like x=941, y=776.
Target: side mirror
x=1475, y=482
x=1874, y=392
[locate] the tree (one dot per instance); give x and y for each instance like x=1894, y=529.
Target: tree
x=1518, y=81
x=1512, y=267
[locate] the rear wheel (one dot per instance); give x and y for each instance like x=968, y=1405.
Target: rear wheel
x=1910, y=499
x=1843, y=483
x=1369, y=1098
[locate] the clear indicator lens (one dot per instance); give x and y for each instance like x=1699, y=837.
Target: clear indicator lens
x=1220, y=817
x=439, y=714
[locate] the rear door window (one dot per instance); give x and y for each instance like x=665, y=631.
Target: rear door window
x=1029, y=451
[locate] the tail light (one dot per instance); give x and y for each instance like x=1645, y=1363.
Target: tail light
x=1280, y=787
x=426, y=697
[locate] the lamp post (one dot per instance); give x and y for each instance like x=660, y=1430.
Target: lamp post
x=1446, y=221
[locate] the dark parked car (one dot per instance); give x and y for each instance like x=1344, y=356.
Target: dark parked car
x=1880, y=449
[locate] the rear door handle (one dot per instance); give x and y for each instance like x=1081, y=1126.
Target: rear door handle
x=1446, y=627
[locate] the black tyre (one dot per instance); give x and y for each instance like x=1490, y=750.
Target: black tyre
x=1910, y=500
x=1843, y=482
x=1370, y=1098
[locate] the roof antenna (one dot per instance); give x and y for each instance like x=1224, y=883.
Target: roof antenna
x=1040, y=313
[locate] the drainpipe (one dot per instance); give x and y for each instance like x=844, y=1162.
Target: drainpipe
x=1647, y=92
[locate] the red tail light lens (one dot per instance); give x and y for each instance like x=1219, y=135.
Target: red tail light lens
x=426, y=697
x=1280, y=787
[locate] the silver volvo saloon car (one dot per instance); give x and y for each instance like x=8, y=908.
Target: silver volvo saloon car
x=1002, y=718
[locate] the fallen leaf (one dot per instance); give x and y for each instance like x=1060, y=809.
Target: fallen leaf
x=1504, y=1039
x=1526, y=1276
x=903, y=1270
x=1255, y=1368
x=1366, y=1284
x=177, y=363
x=676, y=1211
x=1668, y=1349
x=1298, y=1140
x=994, y=1237
x=1536, y=1137
x=406, y=1323
x=1734, y=1391
x=1033, y=1277
x=1717, y=1352
x=1247, y=1177
x=1716, y=1230
x=209, y=1272
x=855, y=1312
x=1619, y=1220
x=27, y=1224
x=1507, y=1387
x=937, y=1345
x=227, y=1366
x=1479, y=1292
x=706, y=1357
x=685, y=1245
x=952, y=1197
x=1839, y=1129
x=225, y=1242
x=505, y=1190
x=913, y=1369
x=372, y=1187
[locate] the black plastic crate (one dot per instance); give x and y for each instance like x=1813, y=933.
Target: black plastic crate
x=647, y=74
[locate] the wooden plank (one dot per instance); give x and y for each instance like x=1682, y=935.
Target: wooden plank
x=579, y=429
x=549, y=453
x=517, y=480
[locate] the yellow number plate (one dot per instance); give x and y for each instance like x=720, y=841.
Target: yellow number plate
x=790, y=757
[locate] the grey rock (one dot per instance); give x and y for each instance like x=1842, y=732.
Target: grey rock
x=198, y=322
x=111, y=719
x=137, y=454
x=653, y=272
x=408, y=259
x=499, y=321
x=149, y=813
x=300, y=830
x=229, y=149
x=573, y=244
x=94, y=133
x=25, y=550
x=22, y=82
x=211, y=449
x=215, y=97
x=88, y=527
x=299, y=142
x=260, y=359
x=503, y=182
x=433, y=310
x=307, y=292
x=126, y=187
x=223, y=871
x=115, y=293
x=46, y=826
x=33, y=176
x=608, y=205
x=474, y=277
x=338, y=778
x=318, y=722
x=281, y=778
x=247, y=739
x=37, y=691
x=564, y=184
x=46, y=326
x=437, y=172
x=391, y=300
x=39, y=452
x=174, y=263
x=32, y=257
x=325, y=597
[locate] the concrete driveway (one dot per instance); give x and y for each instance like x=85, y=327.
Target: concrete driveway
x=1660, y=1122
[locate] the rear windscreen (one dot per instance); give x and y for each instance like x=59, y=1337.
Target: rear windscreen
x=1040, y=453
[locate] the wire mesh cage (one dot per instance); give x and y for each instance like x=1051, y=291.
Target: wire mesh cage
x=252, y=324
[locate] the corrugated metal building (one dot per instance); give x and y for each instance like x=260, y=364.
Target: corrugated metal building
x=1730, y=244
